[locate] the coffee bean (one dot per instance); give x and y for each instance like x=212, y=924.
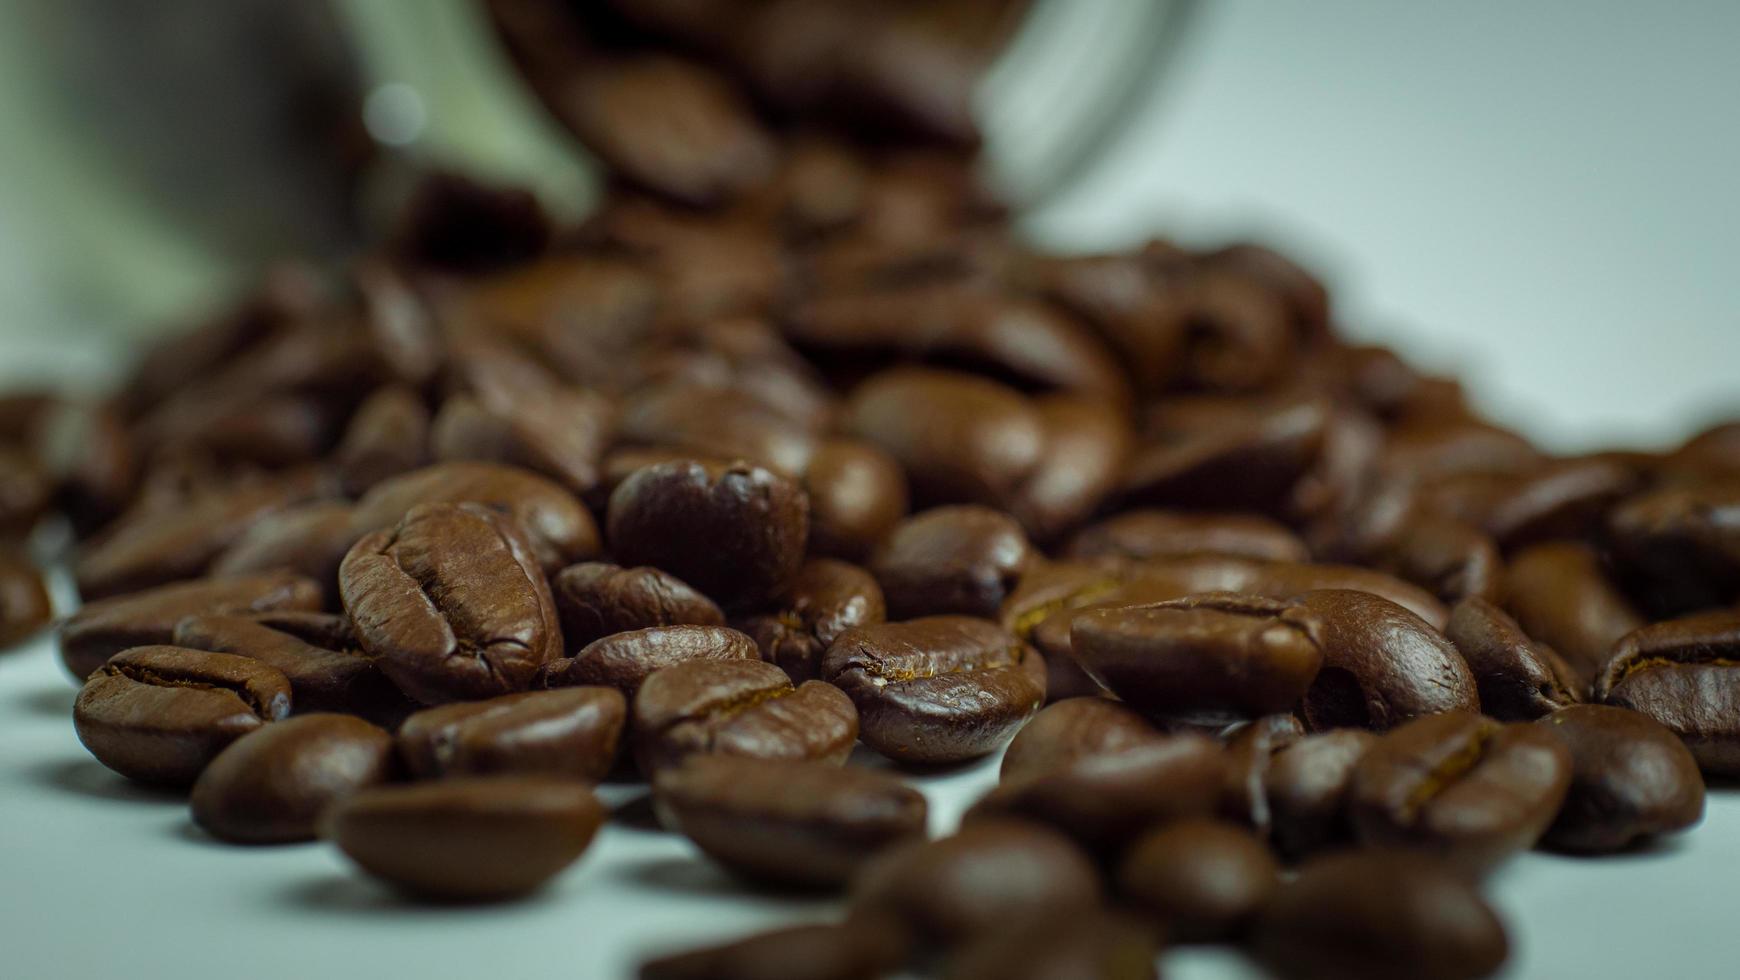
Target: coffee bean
x=1105, y=800
x=1305, y=789
x=1051, y=591
x=1216, y=657
x=857, y=493
x=271, y=785
x=810, y=824
x=1072, y=730
x=1451, y=558
x=962, y=559
x=388, y=435
x=103, y=628
x=738, y=707
x=755, y=524
x=1461, y=786
x=1202, y=879
x=825, y=599
x=1682, y=543
x=1631, y=779
x=454, y=222
x=936, y=690
x=1382, y=665
x=860, y=950
x=625, y=660
x=1225, y=453
x=1288, y=580
x=451, y=603
x=327, y=671
x=558, y=528
x=309, y=539
x=160, y=714
x=572, y=732
x=479, y=839
x=1250, y=751
x=559, y=434
x=716, y=424
x=597, y=599
x=1143, y=534
x=25, y=606
x=1376, y=915
x=974, y=883
x=1685, y=674
x=1099, y=945
x=1086, y=442
x=1518, y=679
x=1561, y=597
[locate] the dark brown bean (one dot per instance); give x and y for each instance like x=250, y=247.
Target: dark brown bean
x=1306, y=787
x=1562, y=499
x=1466, y=788
x=1518, y=679
x=1685, y=674
x=310, y=539
x=1377, y=915
x=962, y=559
x=1382, y=665
x=1209, y=658
x=25, y=607
x=481, y=839
x=1631, y=780
x=825, y=599
x=1226, y=454
x=1560, y=596
x=936, y=690
x=104, y=628
x=558, y=528
x=1143, y=534
x=271, y=785
x=598, y=599
x=572, y=732
x=1250, y=751
x=857, y=493
x=327, y=671
x=1072, y=730
x=451, y=603
x=754, y=521
x=160, y=714
x=1452, y=559
x=625, y=660
x=1682, y=543
x=388, y=435
x=1100, y=946
x=560, y=433
x=1202, y=879
x=860, y=950
x=810, y=824
x=738, y=707
x=1086, y=442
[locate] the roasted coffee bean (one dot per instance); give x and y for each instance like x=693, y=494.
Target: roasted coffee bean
x=151, y=549
x=1562, y=499
x=1382, y=665
x=1631, y=779
x=558, y=528
x=104, y=628
x=976, y=882
x=1305, y=789
x=724, y=423
x=1072, y=730
x=859, y=950
x=1289, y=580
x=160, y=714
x=963, y=559
x=1518, y=679
x=1202, y=879
x=738, y=707
x=1682, y=543
x=625, y=660
x=25, y=495
x=1561, y=597
x=857, y=493
x=1452, y=559
x=451, y=603
x=25, y=606
x=1250, y=751
x=86, y=449
x=310, y=539
x=327, y=671
x=598, y=599
x=960, y=438
x=481, y=839
x=825, y=599
x=271, y=785
x=753, y=521
x=572, y=732
x=1223, y=453
x=1088, y=946
x=388, y=435
x=1685, y=674
x=1144, y=534
x=1430, y=449
x=560, y=433
x=1051, y=591
x=1086, y=442
x=810, y=824
x=1216, y=657
x=939, y=689
x=1377, y=915
x=1105, y=800
x=1461, y=786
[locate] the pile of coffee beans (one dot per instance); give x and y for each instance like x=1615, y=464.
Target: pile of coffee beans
x=795, y=456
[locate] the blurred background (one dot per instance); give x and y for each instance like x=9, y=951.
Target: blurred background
x=1541, y=196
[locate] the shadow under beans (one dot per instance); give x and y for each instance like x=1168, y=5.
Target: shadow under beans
x=698, y=877
x=90, y=779
x=636, y=813
x=351, y=895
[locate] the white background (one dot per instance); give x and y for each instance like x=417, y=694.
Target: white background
x=1539, y=193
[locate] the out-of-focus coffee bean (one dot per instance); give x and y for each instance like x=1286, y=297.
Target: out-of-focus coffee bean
x=560, y=434
x=1382, y=665
x=1100, y=945
x=558, y=528
x=1563, y=499
x=1561, y=597
x=598, y=599
x=160, y=714
x=1203, y=880
x=962, y=559
x=857, y=493
x=388, y=435
x=25, y=607
x=309, y=539
x=327, y=670
x=454, y=222
x=271, y=785
x=738, y=707
x=1631, y=780
x=1071, y=730
x=1451, y=559
x=572, y=732
x=825, y=599
x=1146, y=533
x=1685, y=674
x=1305, y=789
x=1086, y=442
x=723, y=422
x=859, y=950
x=1518, y=679
x=1217, y=453
x=1682, y=544
x=1250, y=751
